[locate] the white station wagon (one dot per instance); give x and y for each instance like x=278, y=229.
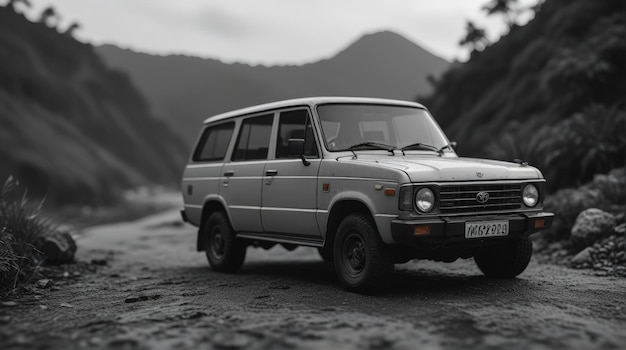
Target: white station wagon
x=369, y=182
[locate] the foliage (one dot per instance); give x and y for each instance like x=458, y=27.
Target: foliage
x=551, y=93
x=505, y=7
x=20, y=227
x=47, y=14
x=570, y=151
x=475, y=37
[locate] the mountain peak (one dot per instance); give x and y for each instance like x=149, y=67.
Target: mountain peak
x=385, y=43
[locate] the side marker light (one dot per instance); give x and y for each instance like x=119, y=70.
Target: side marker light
x=540, y=223
x=421, y=230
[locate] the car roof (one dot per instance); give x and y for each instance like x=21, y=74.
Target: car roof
x=308, y=101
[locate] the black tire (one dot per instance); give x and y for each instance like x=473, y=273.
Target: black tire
x=507, y=260
x=326, y=254
x=362, y=262
x=224, y=251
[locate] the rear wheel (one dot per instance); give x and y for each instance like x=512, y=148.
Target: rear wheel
x=507, y=260
x=223, y=251
x=362, y=262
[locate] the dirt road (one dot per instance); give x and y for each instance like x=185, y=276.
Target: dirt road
x=156, y=292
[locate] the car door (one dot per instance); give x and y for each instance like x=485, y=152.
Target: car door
x=290, y=182
x=242, y=177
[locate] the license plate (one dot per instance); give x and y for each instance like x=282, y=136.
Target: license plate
x=480, y=229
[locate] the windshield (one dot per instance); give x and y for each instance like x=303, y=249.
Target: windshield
x=368, y=126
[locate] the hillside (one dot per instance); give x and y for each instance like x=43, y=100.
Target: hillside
x=552, y=93
x=183, y=91
x=70, y=127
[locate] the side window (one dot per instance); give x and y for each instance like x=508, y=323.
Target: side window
x=214, y=143
x=295, y=125
x=254, y=138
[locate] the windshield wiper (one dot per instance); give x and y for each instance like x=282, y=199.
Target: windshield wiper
x=450, y=146
x=415, y=146
x=375, y=145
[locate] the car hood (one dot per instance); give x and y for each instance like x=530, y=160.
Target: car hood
x=427, y=169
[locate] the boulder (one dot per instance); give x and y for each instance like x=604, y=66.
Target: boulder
x=583, y=258
x=58, y=247
x=591, y=226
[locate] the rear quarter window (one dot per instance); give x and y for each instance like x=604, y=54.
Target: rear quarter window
x=214, y=143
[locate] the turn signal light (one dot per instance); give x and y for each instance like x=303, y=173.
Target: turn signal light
x=390, y=192
x=421, y=230
x=540, y=223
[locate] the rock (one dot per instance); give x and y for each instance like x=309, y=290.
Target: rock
x=583, y=257
x=230, y=341
x=59, y=247
x=124, y=343
x=99, y=262
x=141, y=298
x=8, y=303
x=45, y=283
x=591, y=226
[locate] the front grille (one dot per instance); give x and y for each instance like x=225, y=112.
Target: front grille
x=460, y=199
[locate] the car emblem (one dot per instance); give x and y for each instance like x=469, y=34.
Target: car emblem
x=482, y=197
x=479, y=174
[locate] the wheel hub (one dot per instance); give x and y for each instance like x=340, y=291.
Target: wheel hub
x=355, y=253
x=217, y=244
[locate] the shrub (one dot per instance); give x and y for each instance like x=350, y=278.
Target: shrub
x=571, y=151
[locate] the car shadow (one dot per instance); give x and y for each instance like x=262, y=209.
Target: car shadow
x=411, y=281
x=317, y=272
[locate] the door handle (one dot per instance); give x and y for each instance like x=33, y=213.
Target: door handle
x=229, y=173
x=271, y=172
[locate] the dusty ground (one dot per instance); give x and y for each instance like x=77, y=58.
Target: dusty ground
x=156, y=292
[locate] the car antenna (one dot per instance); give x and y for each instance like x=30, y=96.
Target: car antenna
x=520, y=162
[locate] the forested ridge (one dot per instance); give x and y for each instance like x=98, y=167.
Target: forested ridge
x=71, y=128
x=551, y=92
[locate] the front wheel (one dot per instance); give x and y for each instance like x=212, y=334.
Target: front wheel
x=223, y=251
x=326, y=254
x=507, y=260
x=362, y=262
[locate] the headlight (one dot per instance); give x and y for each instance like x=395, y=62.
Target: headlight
x=425, y=200
x=530, y=195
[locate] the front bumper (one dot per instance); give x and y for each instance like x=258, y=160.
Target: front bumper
x=452, y=229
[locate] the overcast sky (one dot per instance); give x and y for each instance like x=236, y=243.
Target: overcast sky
x=269, y=31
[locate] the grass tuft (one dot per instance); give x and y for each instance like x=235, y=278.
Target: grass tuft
x=21, y=225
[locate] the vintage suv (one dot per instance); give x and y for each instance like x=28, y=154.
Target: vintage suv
x=369, y=182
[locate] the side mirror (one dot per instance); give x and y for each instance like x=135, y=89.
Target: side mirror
x=295, y=147
x=454, y=146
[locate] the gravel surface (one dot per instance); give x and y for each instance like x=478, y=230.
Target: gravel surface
x=145, y=287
